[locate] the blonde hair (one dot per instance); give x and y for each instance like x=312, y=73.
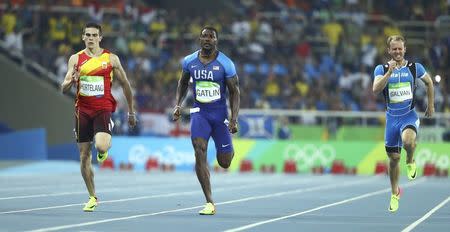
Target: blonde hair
x=395, y=38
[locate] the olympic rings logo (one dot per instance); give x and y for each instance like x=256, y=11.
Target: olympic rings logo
x=310, y=155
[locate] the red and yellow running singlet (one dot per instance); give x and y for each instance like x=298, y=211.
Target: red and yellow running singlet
x=94, y=84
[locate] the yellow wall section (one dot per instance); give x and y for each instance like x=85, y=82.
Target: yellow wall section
x=367, y=165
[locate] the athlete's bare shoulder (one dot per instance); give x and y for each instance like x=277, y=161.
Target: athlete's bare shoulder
x=115, y=61
x=73, y=59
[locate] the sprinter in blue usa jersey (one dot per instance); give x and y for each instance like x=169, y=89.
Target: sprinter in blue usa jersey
x=212, y=73
x=397, y=80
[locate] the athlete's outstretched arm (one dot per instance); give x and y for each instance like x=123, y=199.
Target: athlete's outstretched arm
x=182, y=88
x=233, y=89
x=71, y=75
x=430, y=94
x=123, y=80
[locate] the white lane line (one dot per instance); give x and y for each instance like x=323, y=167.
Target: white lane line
x=153, y=180
x=57, y=194
x=117, y=189
x=157, y=196
x=278, y=194
x=249, y=226
x=427, y=215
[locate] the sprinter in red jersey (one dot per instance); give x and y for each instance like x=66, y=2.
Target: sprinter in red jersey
x=91, y=71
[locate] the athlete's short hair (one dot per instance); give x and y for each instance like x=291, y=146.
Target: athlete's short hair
x=395, y=38
x=211, y=29
x=93, y=25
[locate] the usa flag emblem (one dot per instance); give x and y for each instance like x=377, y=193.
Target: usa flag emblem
x=216, y=67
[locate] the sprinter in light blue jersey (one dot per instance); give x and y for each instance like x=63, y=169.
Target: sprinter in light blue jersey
x=212, y=73
x=397, y=80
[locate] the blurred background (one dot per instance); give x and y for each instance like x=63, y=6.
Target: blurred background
x=305, y=69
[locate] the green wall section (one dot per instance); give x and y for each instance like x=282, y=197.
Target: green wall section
x=359, y=133
x=300, y=132
x=344, y=133
x=307, y=154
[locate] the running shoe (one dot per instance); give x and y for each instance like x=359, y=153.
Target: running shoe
x=90, y=205
x=411, y=170
x=101, y=157
x=209, y=209
x=393, y=206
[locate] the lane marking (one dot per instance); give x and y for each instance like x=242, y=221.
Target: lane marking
x=157, y=196
x=278, y=194
x=427, y=215
x=249, y=226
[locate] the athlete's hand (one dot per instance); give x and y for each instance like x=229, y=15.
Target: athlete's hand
x=429, y=112
x=132, y=120
x=392, y=65
x=176, y=113
x=232, y=126
x=75, y=73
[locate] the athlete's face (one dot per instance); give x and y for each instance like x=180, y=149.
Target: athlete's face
x=397, y=50
x=91, y=37
x=208, y=39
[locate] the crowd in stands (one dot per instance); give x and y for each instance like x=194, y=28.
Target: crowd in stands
x=289, y=54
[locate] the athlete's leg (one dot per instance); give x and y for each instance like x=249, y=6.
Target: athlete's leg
x=222, y=139
x=102, y=142
x=409, y=143
x=86, y=167
x=84, y=133
x=393, y=144
x=394, y=171
x=409, y=129
x=224, y=159
x=201, y=166
x=103, y=128
x=224, y=145
x=200, y=133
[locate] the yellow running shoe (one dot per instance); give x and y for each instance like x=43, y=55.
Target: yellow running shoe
x=393, y=206
x=411, y=170
x=90, y=205
x=102, y=156
x=209, y=209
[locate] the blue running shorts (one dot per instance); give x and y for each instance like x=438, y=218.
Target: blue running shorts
x=206, y=123
x=395, y=125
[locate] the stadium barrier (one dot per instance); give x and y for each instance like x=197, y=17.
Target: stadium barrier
x=24, y=145
x=307, y=155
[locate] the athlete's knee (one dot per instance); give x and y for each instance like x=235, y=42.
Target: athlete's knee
x=85, y=153
x=224, y=160
x=101, y=148
x=394, y=158
x=409, y=144
x=200, y=146
x=85, y=158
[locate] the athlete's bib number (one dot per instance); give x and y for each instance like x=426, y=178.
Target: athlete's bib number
x=92, y=86
x=206, y=91
x=399, y=92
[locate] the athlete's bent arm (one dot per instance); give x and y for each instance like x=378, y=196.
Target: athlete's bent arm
x=123, y=80
x=430, y=94
x=182, y=88
x=233, y=88
x=71, y=75
x=380, y=81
